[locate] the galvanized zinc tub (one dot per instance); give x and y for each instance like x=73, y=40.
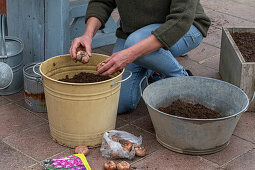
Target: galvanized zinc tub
x=33, y=88
x=79, y=113
x=195, y=136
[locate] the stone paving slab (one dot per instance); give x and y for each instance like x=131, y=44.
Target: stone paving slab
x=165, y=159
x=15, y=119
x=3, y=101
x=234, y=8
x=214, y=39
x=25, y=136
x=236, y=147
x=203, y=52
x=12, y=159
x=15, y=97
x=144, y=123
x=247, y=161
x=246, y=127
x=35, y=142
x=199, y=69
x=212, y=62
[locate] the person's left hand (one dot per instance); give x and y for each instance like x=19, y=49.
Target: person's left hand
x=116, y=62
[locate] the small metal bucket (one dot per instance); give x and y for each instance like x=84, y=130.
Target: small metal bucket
x=11, y=61
x=195, y=136
x=33, y=88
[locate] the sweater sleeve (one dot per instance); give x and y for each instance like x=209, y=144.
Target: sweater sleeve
x=100, y=9
x=178, y=22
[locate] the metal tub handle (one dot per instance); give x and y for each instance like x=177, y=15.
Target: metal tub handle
x=36, y=73
x=130, y=74
x=3, y=51
x=251, y=100
x=140, y=84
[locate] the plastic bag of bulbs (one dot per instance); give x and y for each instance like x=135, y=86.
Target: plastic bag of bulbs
x=120, y=144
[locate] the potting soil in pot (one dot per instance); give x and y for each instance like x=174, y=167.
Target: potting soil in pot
x=84, y=77
x=188, y=110
x=246, y=44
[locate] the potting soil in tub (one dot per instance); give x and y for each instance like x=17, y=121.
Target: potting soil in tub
x=84, y=77
x=189, y=110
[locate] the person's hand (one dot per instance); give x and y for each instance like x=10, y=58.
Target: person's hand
x=81, y=43
x=116, y=62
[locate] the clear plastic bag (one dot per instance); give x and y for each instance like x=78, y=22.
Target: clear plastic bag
x=112, y=148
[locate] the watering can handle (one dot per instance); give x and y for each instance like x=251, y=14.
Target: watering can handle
x=130, y=74
x=2, y=34
x=140, y=84
x=38, y=64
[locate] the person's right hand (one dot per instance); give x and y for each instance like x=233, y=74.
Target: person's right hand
x=80, y=43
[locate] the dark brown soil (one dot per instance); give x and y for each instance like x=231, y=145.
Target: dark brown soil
x=85, y=78
x=246, y=44
x=188, y=110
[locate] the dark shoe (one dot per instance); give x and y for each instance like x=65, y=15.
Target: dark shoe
x=189, y=73
x=154, y=77
x=184, y=55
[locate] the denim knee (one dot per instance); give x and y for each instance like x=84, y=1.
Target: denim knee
x=134, y=39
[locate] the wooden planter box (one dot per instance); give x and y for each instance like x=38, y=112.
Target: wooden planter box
x=233, y=68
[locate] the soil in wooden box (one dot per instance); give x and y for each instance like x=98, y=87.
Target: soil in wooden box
x=84, y=77
x=188, y=110
x=245, y=41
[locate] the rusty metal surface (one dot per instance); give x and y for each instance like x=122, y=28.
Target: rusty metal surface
x=33, y=89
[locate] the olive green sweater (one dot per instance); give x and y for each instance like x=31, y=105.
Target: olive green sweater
x=176, y=17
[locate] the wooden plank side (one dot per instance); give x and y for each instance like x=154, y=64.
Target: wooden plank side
x=230, y=64
x=2, y=6
x=77, y=26
x=57, y=34
x=248, y=78
x=110, y=26
x=230, y=69
x=78, y=8
x=26, y=21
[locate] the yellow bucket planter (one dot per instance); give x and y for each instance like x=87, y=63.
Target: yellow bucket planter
x=79, y=113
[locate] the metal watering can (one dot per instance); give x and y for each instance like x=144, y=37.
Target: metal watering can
x=6, y=74
x=11, y=61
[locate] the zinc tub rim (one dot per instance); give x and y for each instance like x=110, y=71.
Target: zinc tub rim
x=78, y=84
x=204, y=120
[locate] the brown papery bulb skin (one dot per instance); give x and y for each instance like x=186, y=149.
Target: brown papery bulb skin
x=81, y=149
x=127, y=146
x=110, y=165
x=140, y=150
x=123, y=166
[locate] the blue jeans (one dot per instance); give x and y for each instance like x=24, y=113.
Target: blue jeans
x=161, y=61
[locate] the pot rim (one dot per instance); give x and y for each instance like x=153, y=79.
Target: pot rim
x=80, y=84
